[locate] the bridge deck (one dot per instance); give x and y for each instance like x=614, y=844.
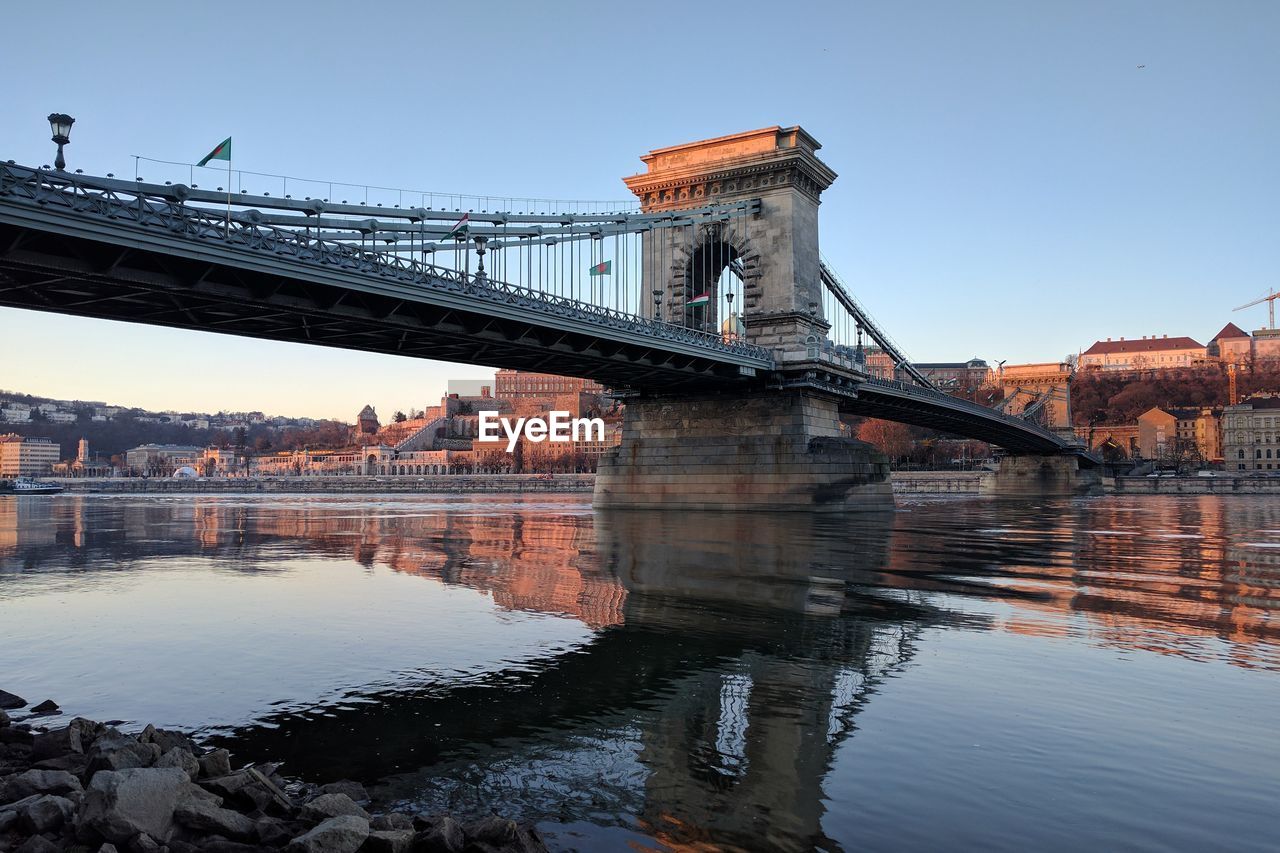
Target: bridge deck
x=71, y=247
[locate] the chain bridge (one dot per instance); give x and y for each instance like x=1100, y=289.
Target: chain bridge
x=707, y=305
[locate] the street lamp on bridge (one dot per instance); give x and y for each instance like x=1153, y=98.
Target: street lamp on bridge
x=60, y=124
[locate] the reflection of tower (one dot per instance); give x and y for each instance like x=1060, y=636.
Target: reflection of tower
x=82, y=455
x=736, y=754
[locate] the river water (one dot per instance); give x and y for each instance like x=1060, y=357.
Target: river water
x=963, y=674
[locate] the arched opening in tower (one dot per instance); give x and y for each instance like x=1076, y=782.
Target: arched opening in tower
x=714, y=289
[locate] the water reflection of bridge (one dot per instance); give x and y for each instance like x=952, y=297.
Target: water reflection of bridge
x=731, y=654
x=729, y=663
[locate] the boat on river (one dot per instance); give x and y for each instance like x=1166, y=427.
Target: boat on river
x=28, y=486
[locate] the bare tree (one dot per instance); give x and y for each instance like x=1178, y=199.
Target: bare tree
x=892, y=438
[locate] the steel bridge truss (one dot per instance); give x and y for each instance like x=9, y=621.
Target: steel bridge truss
x=143, y=253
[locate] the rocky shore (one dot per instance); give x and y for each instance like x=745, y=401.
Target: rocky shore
x=88, y=787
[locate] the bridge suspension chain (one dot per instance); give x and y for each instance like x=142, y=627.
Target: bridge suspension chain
x=844, y=311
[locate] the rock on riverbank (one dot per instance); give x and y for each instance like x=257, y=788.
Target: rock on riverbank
x=89, y=787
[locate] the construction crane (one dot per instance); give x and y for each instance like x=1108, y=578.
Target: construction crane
x=1271, y=307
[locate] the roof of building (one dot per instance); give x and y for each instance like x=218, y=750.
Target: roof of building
x=1231, y=330
x=367, y=412
x=1181, y=414
x=1142, y=345
x=1262, y=402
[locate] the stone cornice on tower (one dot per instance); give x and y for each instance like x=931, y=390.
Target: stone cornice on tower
x=698, y=173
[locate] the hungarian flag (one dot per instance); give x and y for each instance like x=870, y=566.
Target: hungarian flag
x=700, y=301
x=221, y=152
x=602, y=268
x=460, y=229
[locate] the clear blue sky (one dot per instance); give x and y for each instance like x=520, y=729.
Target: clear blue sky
x=1011, y=184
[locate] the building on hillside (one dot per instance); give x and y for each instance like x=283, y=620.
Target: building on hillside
x=1169, y=433
x=162, y=459
x=1251, y=435
x=878, y=362
x=367, y=421
x=948, y=375
x=1232, y=344
x=1266, y=344
x=517, y=384
x=1153, y=353
x=27, y=457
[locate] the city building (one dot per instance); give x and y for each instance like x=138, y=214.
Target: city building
x=27, y=457
x=879, y=363
x=162, y=459
x=1153, y=353
x=1232, y=344
x=1040, y=390
x=1181, y=434
x=1113, y=441
x=1237, y=346
x=85, y=464
x=1251, y=435
x=367, y=421
x=948, y=375
x=517, y=385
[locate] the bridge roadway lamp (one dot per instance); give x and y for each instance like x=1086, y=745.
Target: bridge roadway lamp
x=60, y=124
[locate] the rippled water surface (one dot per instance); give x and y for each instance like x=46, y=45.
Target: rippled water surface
x=1088, y=674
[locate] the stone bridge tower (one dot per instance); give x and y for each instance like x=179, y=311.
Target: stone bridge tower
x=776, y=250
x=778, y=445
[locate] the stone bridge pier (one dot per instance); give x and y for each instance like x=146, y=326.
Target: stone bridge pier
x=1043, y=476
x=761, y=450
x=771, y=444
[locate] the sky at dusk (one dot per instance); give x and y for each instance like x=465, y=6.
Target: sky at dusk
x=1012, y=184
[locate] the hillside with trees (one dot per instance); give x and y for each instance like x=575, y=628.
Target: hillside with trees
x=131, y=427
x=1102, y=397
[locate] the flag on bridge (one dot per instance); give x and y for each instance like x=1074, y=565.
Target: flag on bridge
x=221, y=152
x=602, y=268
x=460, y=229
x=702, y=300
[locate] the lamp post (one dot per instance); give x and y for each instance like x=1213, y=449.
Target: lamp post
x=657, y=304
x=60, y=124
x=480, y=241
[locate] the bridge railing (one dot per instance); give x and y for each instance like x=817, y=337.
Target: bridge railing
x=170, y=212
x=968, y=405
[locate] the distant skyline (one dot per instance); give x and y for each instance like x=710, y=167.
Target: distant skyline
x=1015, y=181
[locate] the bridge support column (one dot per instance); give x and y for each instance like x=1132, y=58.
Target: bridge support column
x=761, y=450
x=1043, y=475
